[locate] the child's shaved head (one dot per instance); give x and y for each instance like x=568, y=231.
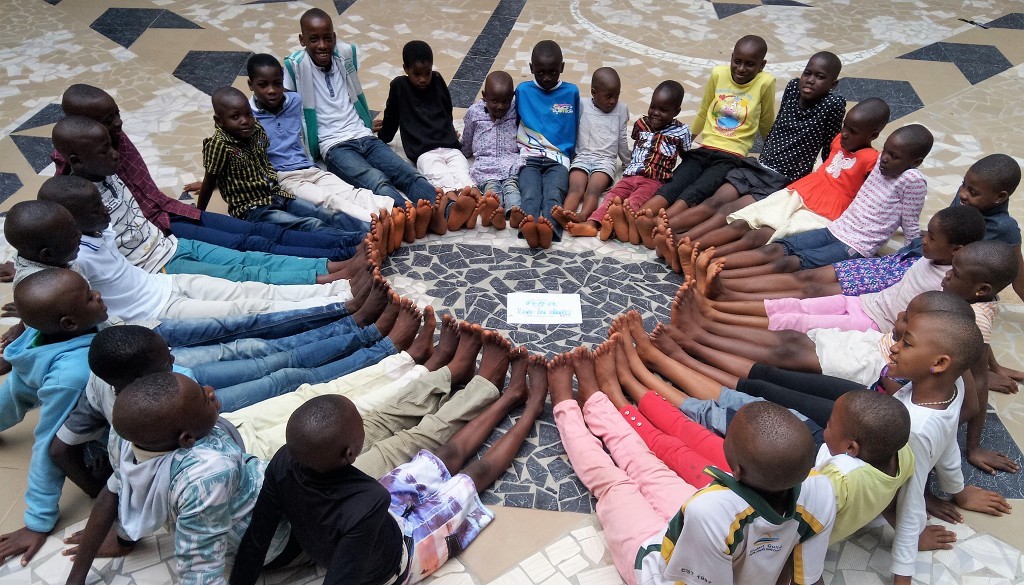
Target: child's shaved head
x=999, y=171
x=70, y=134
x=42, y=231
x=312, y=15
x=164, y=411
x=878, y=422
x=499, y=83
x=605, y=78
x=952, y=334
x=547, y=50
x=227, y=97
x=120, y=355
x=768, y=448
x=937, y=300
x=917, y=138
x=79, y=97
x=671, y=90
x=753, y=45
x=325, y=433
x=57, y=301
x=872, y=113
x=830, y=60
x=989, y=261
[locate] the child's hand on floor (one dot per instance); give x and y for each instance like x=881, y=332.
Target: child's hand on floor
x=981, y=500
x=935, y=537
x=192, y=187
x=1004, y=380
x=991, y=461
x=944, y=510
x=7, y=272
x=21, y=541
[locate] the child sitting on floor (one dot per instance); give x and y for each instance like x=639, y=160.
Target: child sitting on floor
x=401, y=528
x=135, y=295
x=770, y=453
x=891, y=197
x=489, y=136
x=601, y=138
x=549, y=110
x=738, y=103
x=810, y=114
x=280, y=114
x=49, y=371
x=235, y=160
x=658, y=139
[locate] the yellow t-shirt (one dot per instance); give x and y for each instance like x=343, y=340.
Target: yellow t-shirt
x=862, y=490
x=733, y=114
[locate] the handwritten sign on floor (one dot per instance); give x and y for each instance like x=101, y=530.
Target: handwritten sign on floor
x=544, y=308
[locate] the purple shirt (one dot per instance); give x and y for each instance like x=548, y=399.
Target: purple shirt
x=491, y=143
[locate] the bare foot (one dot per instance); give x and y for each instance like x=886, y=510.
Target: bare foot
x=110, y=548
x=684, y=250
x=516, y=217
x=634, y=232
x=389, y=316
x=372, y=307
x=537, y=373
x=494, y=363
x=423, y=346
x=406, y=327
x=660, y=242
x=686, y=306
x=563, y=217
x=423, y=217
x=619, y=225
x=438, y=223
x=487, y=206
x=497, y=219
x=463, y=363
x=410, y=223
x=645, y=226
x=528, y=227
x=446, y=345
x=582, y=230
x=560, y=370
x=700, y=268
x=517, y=378
x=460, y=212
x=606, y=371
x=586, y=377
x=671, y=258
x=545, y=232
x=475, y=215
x=607, y=228
x=397, y=229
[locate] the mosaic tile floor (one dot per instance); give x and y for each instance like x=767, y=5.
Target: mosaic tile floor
x=160, y=59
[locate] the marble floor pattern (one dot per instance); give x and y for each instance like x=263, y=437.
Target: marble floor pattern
x=953, y=66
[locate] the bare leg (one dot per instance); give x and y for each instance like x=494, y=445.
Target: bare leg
x=655, y=204
x=662, y=338
x=578, y=183
x=688, y=218
x=596, y=186
x=756, y=257
x=720, y=218
x=691, y=382
x=463, y=363
x=605, y=371
x=751, y=240
x=446, y=345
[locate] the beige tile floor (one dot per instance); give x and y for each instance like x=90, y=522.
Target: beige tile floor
x=44, y=48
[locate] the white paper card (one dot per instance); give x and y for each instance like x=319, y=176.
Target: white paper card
x=544, y=308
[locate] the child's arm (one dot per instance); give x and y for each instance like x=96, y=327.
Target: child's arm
x=833, y=123
x=206, y=190
x=252, y=551
x=104, y=512
x=978, y=456
x=1000, y=378
x=624, y=151
x=767, y=119
x=702, y=113
x=1018, y=283
x=911, y=203
x=389, y=125
x=911, y=517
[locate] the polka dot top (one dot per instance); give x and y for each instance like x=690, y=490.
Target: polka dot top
x=799, y=135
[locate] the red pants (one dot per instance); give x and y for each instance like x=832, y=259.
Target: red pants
x=633, y=190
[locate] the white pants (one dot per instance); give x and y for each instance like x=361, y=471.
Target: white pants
x=263, y=424
x=328, y=190
x=446, y=168
x=197, y=296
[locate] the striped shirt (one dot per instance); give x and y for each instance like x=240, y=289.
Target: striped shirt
x=655, y=151
x=244, y=174
x=881, y=206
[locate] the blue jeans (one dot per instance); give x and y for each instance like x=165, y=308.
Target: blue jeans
x=369, y=163
x=288, y=379
x=716, y=415
x=817, y=248
x=311, y=354
x=193, y=332
x=303, y=216
x=194, y=257
x=238, y=234
x=254, y=347
x=507, y=191
x=542, y=185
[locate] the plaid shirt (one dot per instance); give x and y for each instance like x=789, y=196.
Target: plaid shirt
x=244, y=174
x=655, y=152
x=155, y=206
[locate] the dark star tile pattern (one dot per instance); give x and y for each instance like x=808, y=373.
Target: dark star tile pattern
x=124, y=26
x=35, y=149
x=48, y=115
x=466, y=82
x=471, y=281
x=1014, y=20
x=900, y=95
x=209, y=70
x=725, y=10
x=9, y=185
x=976, y=62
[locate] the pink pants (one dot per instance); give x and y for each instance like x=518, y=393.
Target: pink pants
x=836, y=311
x=636, y=493
x=633, y=190
x=685, y=446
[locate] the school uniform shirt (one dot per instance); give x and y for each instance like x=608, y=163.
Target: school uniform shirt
x=731, y=115
x=204, y=496
x=491, y=143
x=884, y=305
x=340, y=519
x=727, y=533
x=655, y=152
x=862, y=490
x=799, y=134
x=284, y=129
x=548, y=120
x=140, y=241
x=245, y=177
x=881, y=206
x=933, y=441
x=830, y=189
x=424, y=117
x=129, y=292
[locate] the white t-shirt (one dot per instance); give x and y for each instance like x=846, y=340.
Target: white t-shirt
x=699, y=546
x=933, y=441
x=141, y=242
x=884, y=305
x=336, y=117
x=130, y=292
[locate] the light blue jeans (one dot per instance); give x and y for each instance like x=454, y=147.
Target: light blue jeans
x=180, y=333
x=303, y=216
